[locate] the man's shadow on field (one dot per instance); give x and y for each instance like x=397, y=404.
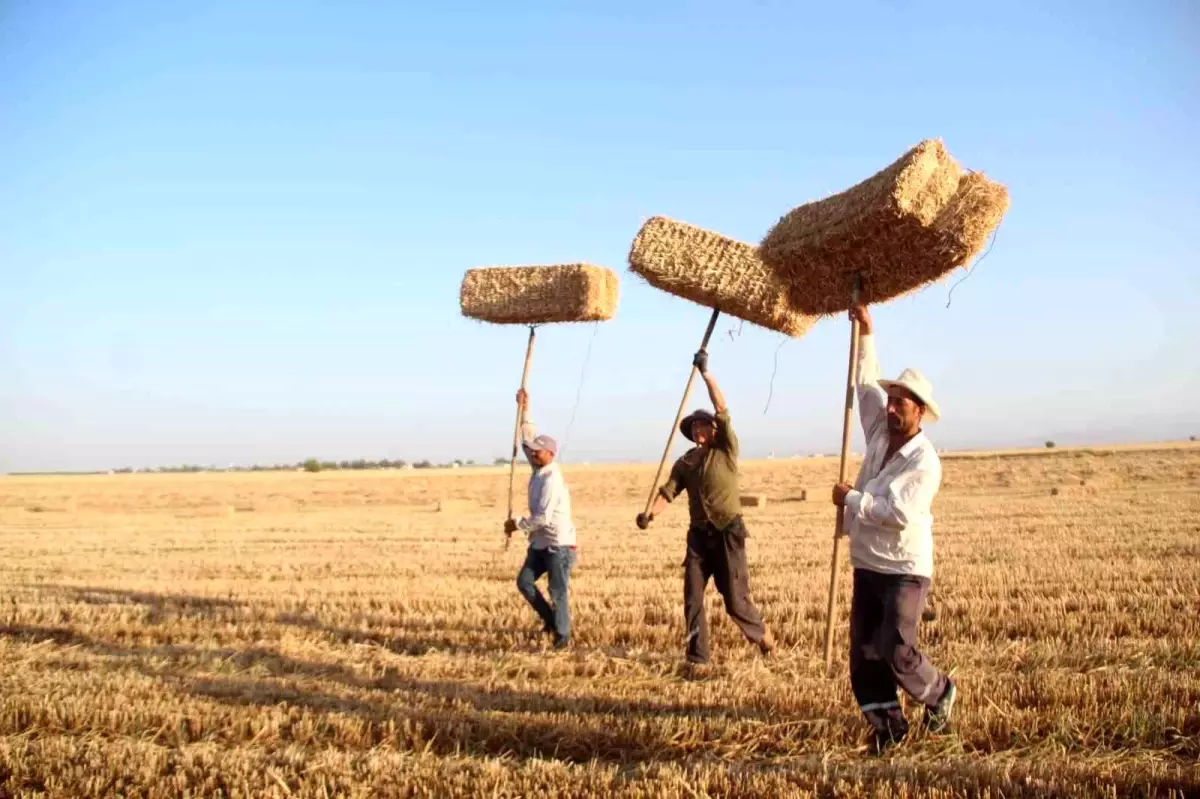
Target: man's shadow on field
x=184, y=605
x=450, y=718
x=444, y=717
x=400, y=636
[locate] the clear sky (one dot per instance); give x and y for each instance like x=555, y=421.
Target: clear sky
x=234, y=231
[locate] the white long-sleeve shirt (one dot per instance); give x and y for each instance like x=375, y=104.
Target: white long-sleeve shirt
x=889, y=514
x=549, y=522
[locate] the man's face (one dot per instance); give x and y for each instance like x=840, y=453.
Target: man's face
x=542, y=457
x=904, y=411
x=703, y=432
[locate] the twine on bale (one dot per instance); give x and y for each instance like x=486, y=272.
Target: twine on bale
x=774, y=371
x=587, y=359
x=539, y=294
x=974, y=266
x=900, y=229
x=714, y=271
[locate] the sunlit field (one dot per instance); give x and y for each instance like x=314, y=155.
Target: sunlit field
x=358, y=634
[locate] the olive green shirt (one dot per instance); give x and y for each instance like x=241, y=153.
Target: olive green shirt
x=710, y=477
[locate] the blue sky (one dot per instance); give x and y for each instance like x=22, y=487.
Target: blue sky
x=234, y=232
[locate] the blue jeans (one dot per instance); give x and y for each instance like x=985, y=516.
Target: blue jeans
x=557, y=563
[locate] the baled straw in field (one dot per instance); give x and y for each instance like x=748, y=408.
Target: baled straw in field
x=715, y=271
x=753, y=500
x=898, y=230
x=532, y=295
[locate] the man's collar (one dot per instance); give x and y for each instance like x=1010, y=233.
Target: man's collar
x=912, y=445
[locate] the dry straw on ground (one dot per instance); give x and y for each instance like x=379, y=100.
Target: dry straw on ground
x=899, y=230
x=715, y=271
x=539, y=294
x=355, y=644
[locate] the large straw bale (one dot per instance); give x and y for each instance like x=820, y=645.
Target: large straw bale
x=530, y=295
x=898, y=230
x=714, y=271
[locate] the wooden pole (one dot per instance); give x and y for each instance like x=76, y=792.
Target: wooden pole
x=512, y=471
x=687, y=390
x=847, y=421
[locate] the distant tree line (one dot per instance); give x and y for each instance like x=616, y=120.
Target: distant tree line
x=311, y=465
x=317, y=465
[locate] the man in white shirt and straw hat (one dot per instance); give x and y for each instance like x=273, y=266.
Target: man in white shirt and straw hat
x=889, y=520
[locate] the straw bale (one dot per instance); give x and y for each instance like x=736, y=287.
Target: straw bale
x=530, y=295
x=753, y=500
x=899, y=230
x=714, y=271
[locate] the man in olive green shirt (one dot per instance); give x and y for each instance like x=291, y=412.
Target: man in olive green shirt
x=716, y=540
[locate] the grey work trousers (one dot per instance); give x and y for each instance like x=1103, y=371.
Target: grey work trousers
x=884, y=615
x=721, y=555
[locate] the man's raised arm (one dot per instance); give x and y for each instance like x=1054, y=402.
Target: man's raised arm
x=528, y=428
x=726, y=439
x=872, y=399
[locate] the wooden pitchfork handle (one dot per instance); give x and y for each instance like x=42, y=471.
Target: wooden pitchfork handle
x=687, y=389
x=512, y=470
x=847, y=422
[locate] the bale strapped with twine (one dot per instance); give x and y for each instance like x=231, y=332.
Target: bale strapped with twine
x=898, y=230
x=533, y=295
x=716, y=272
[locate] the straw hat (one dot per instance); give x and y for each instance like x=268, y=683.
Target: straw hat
x=920, y=387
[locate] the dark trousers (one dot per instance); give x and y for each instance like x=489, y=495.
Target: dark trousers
x=720, y=554
x=884, y=616
x=556, y=562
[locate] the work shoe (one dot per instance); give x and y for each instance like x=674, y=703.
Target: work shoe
x=560, y=643
x=937, y=718
x=767, y=644
x=886, y=740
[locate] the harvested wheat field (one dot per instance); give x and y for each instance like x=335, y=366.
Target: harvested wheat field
x=339, y=635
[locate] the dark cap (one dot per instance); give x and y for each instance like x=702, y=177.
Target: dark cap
x=701, y=415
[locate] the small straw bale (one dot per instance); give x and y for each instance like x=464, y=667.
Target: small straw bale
x=714, y=271
x=534, y=295
x=753, y=500
x=898, y=230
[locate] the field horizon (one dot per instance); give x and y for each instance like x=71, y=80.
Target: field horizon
x=488, y=468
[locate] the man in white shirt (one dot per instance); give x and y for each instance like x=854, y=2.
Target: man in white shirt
x=889, y=520
x=550, y=530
